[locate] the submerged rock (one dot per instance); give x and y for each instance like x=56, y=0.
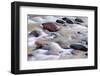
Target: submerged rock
x=68, y=20
x=52, y=27
x=79, y=47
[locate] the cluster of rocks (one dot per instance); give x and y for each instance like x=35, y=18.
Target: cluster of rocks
x=56, y=37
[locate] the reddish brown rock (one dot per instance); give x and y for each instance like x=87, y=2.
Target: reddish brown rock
x=52, y=27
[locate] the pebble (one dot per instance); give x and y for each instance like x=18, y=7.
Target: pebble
x=52, y=27
x=79, y=47
x=68, y=20
x=60, y=21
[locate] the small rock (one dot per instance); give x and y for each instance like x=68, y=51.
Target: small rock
x=30, y=55
x=79, y=47
x=68, y=20
x=86, y=54
x=60, y=21
x=35, y=33
x=79, y=20
x=52, y=27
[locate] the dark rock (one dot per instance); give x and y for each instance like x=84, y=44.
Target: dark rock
x=60, y=21
x=78, y=23
x=68, y=20
x=79, y=32
x=79, y=20
x=52, y=27
x=39, y=47
x=79, y=47
x=35, y=33
x=30, y=55
x=86, y=54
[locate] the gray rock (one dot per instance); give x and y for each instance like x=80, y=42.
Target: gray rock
x=79, y=47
